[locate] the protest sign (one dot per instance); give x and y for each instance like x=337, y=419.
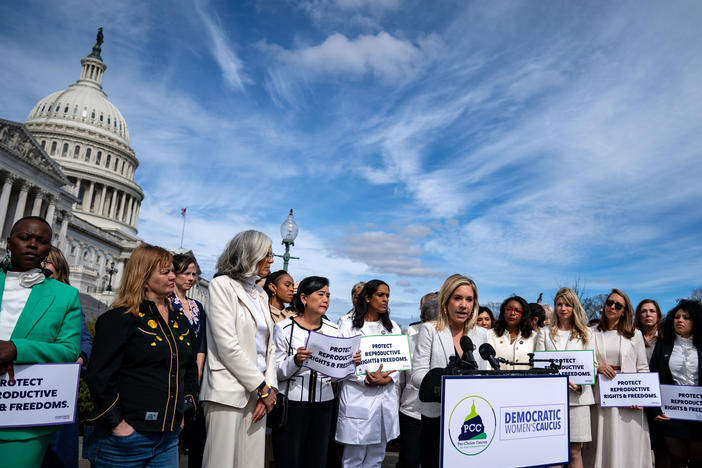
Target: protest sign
x=392, y=351
x=578, y=365
x=682, y=402
x=331, y=355
x=486, y=422
x=40, y=395
x=627, y=389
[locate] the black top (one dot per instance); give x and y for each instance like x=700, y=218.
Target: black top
x=142, y=369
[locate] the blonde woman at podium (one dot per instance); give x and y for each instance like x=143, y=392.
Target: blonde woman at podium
x=568, y=332
x=439, y=340
x=619, y=435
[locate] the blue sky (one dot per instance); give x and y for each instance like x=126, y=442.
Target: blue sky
x=524, y=143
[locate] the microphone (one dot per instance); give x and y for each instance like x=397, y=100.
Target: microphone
x=487, y=352
x=467, y=347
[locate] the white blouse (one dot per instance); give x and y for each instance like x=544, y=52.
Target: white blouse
x=683, y=361
x=14, y=298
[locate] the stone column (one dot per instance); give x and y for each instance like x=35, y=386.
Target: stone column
x=38, y=199
x=86, y=207
x=114, y=201
x=136, y=214
x=51, y=211
x=121, y=206
x=21, y=202
x=63, y=230
x=101, y=206
x=128, y=214
x=5, y=199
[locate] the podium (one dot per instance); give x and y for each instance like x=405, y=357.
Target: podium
x=513, y=420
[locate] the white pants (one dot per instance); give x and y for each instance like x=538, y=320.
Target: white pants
x=363, y=456
x=233, y=441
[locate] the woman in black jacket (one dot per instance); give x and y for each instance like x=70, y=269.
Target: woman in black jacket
x=142, y=374
x=677, y=358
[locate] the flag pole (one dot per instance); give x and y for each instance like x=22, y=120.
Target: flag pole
x=182, y=232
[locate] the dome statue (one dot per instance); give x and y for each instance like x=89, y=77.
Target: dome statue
x=88, y=137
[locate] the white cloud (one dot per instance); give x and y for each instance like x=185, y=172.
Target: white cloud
x=381, y=55
x=227, y=59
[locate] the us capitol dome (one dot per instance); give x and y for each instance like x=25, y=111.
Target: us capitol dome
x=88, y=137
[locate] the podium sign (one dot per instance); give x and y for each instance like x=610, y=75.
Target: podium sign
x=504, y=420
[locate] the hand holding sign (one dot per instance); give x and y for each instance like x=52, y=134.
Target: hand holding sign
x=378, y=378
x=302, y=355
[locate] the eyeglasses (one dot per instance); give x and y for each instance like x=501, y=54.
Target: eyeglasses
x=513, y=309
x=616, y=305
x=269, y=256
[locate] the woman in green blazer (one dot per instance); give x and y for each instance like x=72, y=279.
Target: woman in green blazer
x=39, y=323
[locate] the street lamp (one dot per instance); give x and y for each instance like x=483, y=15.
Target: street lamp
x=288, y=231
x=111, y=271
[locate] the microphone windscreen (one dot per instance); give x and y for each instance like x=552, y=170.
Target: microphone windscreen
x=466, y=345
x=486, y=351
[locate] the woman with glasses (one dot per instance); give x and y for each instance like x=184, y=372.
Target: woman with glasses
x=512, y=336
x=619, y=435
x=569, y=331
x=678, y=360
x=239, y=381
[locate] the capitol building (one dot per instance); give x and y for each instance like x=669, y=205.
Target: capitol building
x=72, y=164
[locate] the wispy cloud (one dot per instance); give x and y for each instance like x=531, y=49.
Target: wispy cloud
x=230, y=64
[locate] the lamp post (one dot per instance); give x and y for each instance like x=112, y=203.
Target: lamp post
x=111, y=271
x=288, y=231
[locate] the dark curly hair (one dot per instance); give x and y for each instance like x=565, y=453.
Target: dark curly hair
x=524, y=324
x=694, y=309
x=359, y=312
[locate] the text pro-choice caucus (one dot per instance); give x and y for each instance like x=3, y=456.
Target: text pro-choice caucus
x=239, y=380
x=142, y=373
x=40, y=322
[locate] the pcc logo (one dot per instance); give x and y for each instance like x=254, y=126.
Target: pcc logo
x=472, y=425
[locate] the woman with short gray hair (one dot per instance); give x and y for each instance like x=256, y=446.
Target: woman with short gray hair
x=239, y=381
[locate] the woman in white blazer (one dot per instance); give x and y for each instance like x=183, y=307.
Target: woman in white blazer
x=368, y=405
x=239, y=381
x=619, y=435
x=512, y=335
x=437, y=342
x=568, y=332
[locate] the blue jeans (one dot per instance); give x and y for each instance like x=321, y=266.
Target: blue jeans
x=138, y=449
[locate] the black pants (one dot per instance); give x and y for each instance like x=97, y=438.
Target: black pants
x=302, y=442
x=410, y=442
x=431, y=440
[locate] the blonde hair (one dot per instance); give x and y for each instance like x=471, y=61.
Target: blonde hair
x=141, y=264
x=452, y=283
x=60, y=264
x=579, y=322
